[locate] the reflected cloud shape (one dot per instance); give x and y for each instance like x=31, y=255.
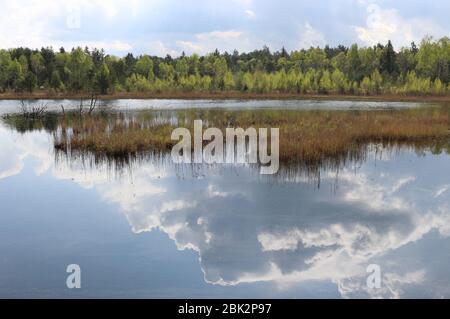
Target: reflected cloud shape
x=247, y=229
x=16, y=147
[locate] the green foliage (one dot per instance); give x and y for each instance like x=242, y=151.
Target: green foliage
x=325, y=85
x=340, y=82
x=166, y=71
x=55, y=81
x=30, y=81
x=144, y=67
x=101, y=79
x=366, y=86
x=137, y=83
x=353, y=64
x=388, y=63
x=376, y=82
x=80, y=67
x=341, y=70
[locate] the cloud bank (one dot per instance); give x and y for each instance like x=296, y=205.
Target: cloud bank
x=171, y=27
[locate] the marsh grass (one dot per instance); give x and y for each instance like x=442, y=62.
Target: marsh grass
x=308, y=137
x=48, y=121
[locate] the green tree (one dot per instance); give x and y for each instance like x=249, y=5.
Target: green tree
x=144, y=67
x=340, y=82
x=438, y=87
x=325, y=84
x=37, y=66
x=353, y=64
x=101, y=80
x=15, y=74
x=30, y=81
x=406, y=60
x=182, y=68
x=376, y=81
x=166, y=71
x=81, y=66
x=228, y=81
x=316, y=59
x=220, y=68
x=55, y=81
x=5, y=61
x=423, y=69
x=388, y=59
x=247, y=82
x=366, y=86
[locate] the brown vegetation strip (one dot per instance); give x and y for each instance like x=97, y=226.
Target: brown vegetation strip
x=220, y=95
x=309, y=137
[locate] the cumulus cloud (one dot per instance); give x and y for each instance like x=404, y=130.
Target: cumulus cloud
x=166, y=27
x=45, y=23
x=226, y=40
x=388, y=24
x=161, y=48
x=250, y=14
x=311, y=37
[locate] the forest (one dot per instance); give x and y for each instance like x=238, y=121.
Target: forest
x=422, y=69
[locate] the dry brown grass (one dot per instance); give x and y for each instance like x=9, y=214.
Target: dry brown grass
x=307, y=137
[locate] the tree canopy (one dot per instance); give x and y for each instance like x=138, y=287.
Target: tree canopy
x=422, y=69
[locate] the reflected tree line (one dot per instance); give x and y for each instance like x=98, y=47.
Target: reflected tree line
x=310, y=141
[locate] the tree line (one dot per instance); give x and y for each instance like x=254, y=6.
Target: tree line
x=417, y=69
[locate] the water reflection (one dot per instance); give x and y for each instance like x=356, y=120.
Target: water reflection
x=125, y=138
x=10, y=106
x=391, y=208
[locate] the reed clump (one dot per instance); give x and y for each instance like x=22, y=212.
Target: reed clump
x=112, y=136
x=308, y=137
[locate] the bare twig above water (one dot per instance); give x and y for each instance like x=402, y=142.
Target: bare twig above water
x=32, y=111
x=93, y=103
x=91, y=107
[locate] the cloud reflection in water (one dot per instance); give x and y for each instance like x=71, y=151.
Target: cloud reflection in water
x=247, y=229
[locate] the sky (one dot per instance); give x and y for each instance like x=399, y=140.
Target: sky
x=160, y=27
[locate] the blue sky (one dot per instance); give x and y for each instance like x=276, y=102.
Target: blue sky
x=162, y=27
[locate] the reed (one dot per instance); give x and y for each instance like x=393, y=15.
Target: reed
x=308, y=137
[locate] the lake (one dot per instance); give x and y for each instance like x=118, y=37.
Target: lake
x=152, y=229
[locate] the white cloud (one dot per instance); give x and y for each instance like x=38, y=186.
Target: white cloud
x=17, y=147
x=161, y=49
x=443, y=189
x=219, y=35
x=38, y=24
x=221, y=39
x=387, y=24
x=213, y=191
x=375, y=195
x=27, y=24
x=272, y=242
x=156, y=27
x=311, y=37
x=402, y=182
x=392, y=285
x=250, y=14
x=190, y=47
x=114, y=45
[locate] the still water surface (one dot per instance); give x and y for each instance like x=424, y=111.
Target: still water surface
x=151, y=229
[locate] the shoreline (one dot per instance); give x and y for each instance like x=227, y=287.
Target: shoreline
x=227, y=96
